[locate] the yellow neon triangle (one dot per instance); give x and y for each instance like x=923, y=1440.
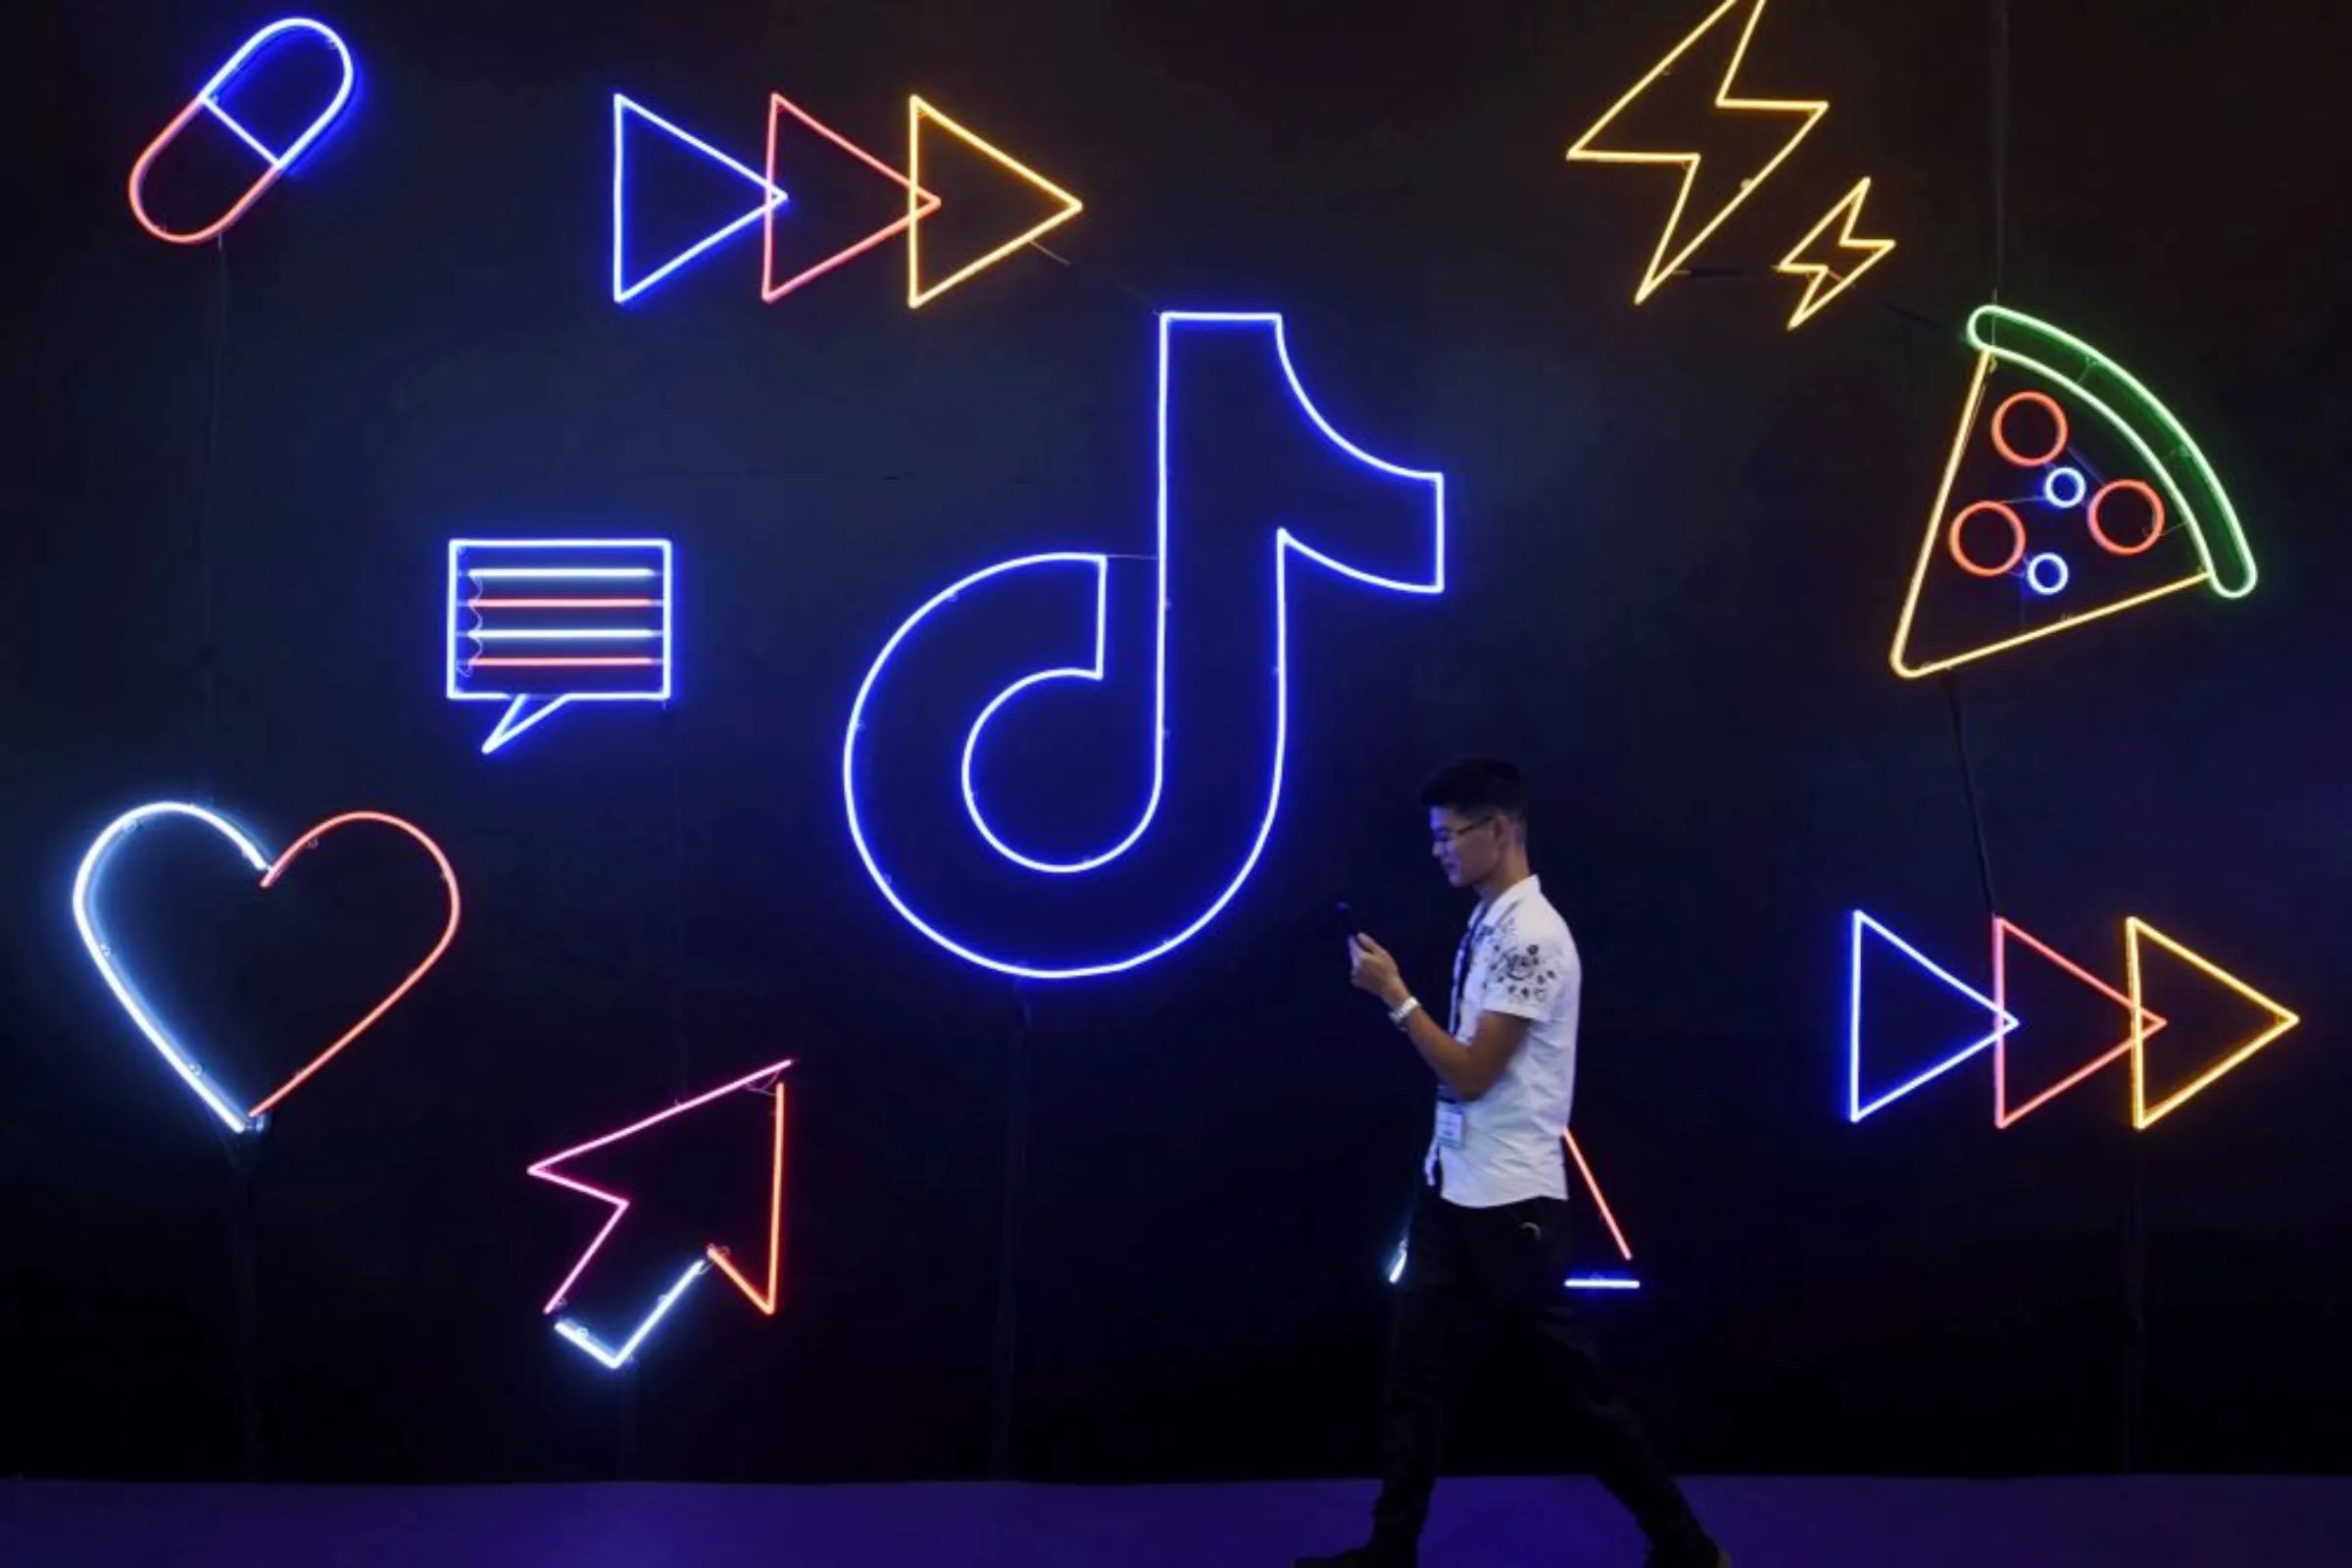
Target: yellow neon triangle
x=2143, y=1114
x=1900, y=657
x=918, y=293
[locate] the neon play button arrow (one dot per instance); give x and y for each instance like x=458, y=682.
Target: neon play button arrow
x=764, y=1081
x=628, y=285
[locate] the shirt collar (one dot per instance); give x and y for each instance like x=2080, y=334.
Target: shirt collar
x=1485, y=915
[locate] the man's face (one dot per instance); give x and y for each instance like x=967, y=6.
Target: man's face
x=1467, y=847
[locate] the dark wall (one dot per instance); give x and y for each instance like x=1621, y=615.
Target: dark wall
x=1679, y=540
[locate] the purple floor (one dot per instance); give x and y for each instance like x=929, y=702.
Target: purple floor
x=2146, y=1523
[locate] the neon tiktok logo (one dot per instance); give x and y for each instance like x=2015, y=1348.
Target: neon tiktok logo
x=980, y=689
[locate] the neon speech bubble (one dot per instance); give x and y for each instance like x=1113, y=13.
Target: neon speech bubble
x=537, y=623
x=244, y=64
x=203, y=1085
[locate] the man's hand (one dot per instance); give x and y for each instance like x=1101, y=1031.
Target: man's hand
x=1370, y=969
x=1468, y=1069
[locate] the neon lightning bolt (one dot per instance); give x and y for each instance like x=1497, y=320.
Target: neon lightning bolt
x=1667, y=258
x=1823, y=281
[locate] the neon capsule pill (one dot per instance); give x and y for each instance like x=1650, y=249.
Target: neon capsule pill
x=256, y=56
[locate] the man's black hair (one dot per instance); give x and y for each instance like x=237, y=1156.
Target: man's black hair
x=1478, y=786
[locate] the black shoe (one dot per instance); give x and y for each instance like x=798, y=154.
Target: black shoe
x=1375, y=1555
x=1701, y=1552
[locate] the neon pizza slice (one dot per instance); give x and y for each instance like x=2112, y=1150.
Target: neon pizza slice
x=2177, y=489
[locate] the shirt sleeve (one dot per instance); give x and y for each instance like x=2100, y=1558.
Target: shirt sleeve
x=1529, y=974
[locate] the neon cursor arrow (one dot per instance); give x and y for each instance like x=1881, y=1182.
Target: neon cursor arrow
x=766, y=1081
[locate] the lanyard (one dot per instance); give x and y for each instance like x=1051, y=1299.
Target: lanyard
x=1446, y=1098
x=1461, y=972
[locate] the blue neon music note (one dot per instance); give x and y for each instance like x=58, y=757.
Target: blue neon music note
x=1227, y=520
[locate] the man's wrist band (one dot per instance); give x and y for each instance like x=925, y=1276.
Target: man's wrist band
x=1404, y=1009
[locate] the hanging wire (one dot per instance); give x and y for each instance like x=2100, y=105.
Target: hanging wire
x=2000, y=145
x=2132, y=1414
x=1998, y=140
x=1011, y=1215
x=674, y=958
x=1968, y=792
x=206, y=655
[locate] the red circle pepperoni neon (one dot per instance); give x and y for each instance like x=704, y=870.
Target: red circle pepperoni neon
x=2001, y=428
x=2155, y=505
x=2017, y=539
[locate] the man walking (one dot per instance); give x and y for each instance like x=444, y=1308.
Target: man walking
x=1488, y=1240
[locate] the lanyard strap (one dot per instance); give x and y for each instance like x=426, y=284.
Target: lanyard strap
x=1461, y=973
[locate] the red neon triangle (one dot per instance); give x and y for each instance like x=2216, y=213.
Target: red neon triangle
x=1600, y=1200
x=771, y=290
x=2005, y=1114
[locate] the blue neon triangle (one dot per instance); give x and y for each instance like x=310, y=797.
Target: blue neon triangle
x=1858, y=1105
x=630, y=280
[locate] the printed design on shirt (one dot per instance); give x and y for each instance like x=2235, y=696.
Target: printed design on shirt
x=1520, y=972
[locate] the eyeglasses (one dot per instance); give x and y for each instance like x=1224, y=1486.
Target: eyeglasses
x=1446, y=837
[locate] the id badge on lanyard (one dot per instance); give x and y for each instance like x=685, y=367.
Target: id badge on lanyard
x=1452, y=1131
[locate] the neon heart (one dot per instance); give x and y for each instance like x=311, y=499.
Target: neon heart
x=182, y=1061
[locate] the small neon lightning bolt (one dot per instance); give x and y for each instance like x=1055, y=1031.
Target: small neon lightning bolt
x=1668, y=259
x=1823, y=282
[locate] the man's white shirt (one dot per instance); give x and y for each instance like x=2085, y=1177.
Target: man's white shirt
x=1519, y=959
